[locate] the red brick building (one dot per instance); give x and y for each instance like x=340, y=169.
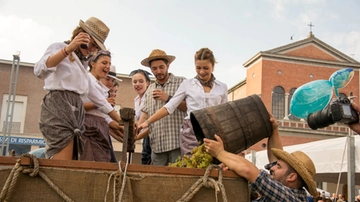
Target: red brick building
x=25, y=133
x=275, y=74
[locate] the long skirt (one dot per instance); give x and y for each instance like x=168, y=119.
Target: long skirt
x=61, y=120
x=96, y=139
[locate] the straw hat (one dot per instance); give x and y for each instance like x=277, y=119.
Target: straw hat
x=97, y=29
x=303, y=165
x=157, y=54
x=112, y=73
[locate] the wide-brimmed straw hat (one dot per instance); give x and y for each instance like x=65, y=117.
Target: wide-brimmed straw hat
x=302, y=164
x=96, y=29
x=157, y=54
x=112, y=73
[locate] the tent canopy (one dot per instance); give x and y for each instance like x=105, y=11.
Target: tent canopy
x=327, y=156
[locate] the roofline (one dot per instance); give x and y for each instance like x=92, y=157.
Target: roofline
x=10, y=62
x=312, y=38
x=236, y=86
x=305, y=41
x=299, y=59
x=29, y=64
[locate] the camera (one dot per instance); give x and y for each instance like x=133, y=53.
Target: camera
x=84, y=46
x=339, y=110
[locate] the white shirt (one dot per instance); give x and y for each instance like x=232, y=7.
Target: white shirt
x=139, y=103
x=96, y=95
x=67, y=75
x=193, y=92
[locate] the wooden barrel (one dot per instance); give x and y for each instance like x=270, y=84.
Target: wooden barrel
x=240, y=123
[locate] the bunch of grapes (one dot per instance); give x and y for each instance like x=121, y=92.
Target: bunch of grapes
x=199, y=159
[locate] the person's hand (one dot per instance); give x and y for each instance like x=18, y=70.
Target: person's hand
x=111, y=101
x=114, y=125
x=81, y=38
x=214, y=147
x=160, y=95
x=116, y=134
x=355, y=126
x=273, y=121
x=143, y=125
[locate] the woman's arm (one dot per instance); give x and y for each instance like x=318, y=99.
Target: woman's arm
x=155, y=117
x=143, y=134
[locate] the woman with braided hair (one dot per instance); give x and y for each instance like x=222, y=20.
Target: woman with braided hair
x=199, y=92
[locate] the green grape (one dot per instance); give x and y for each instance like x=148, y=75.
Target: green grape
x=199, y=159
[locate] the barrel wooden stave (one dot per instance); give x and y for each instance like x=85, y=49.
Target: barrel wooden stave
x=240, y=123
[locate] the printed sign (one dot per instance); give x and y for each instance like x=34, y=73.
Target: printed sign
x=24, y=141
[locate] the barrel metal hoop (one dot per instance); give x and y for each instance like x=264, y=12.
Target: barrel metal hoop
x=242, y=120
x=218, y=129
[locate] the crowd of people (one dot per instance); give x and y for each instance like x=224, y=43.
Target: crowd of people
x=334, y=198
x=78, y=118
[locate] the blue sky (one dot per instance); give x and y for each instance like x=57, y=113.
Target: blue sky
x=235, y=30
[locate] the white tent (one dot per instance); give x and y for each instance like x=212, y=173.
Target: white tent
x=327, y=156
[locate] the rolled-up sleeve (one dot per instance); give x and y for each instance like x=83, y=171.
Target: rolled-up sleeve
x=175, y=101
x=40, y=68
x=108, y=119
x=97, y=97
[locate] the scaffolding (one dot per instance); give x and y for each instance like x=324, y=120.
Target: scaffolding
x=6, y=139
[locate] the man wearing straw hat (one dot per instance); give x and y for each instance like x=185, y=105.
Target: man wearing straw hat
x=164, y=134
x=289, y=173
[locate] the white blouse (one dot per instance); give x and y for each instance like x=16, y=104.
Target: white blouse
x=96, y=95
x=139, y=103
x=193, y=92
x=67, y=75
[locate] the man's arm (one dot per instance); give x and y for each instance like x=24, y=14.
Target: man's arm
x=238, y=164
x=142, y=118
x=274, y=140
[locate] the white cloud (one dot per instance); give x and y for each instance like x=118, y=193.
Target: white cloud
x=352, y=43
x=230, y=75
x=25, y=35
x=348, y=43
x=278, y=8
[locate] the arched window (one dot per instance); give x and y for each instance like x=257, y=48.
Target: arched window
x=291, y=117
x=278, y=102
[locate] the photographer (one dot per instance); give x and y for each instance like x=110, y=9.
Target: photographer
x=355, y=126
x=288, y=174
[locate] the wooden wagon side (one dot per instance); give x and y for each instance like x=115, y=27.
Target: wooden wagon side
x=89, y=181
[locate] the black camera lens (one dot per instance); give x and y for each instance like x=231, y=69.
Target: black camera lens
x=320, y=119
x=84, y=46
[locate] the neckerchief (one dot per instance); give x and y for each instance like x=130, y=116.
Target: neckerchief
x=209, y=83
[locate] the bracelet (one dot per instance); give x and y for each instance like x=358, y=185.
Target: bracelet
x=168, y=99
x=147, y=120
x=65, y=51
